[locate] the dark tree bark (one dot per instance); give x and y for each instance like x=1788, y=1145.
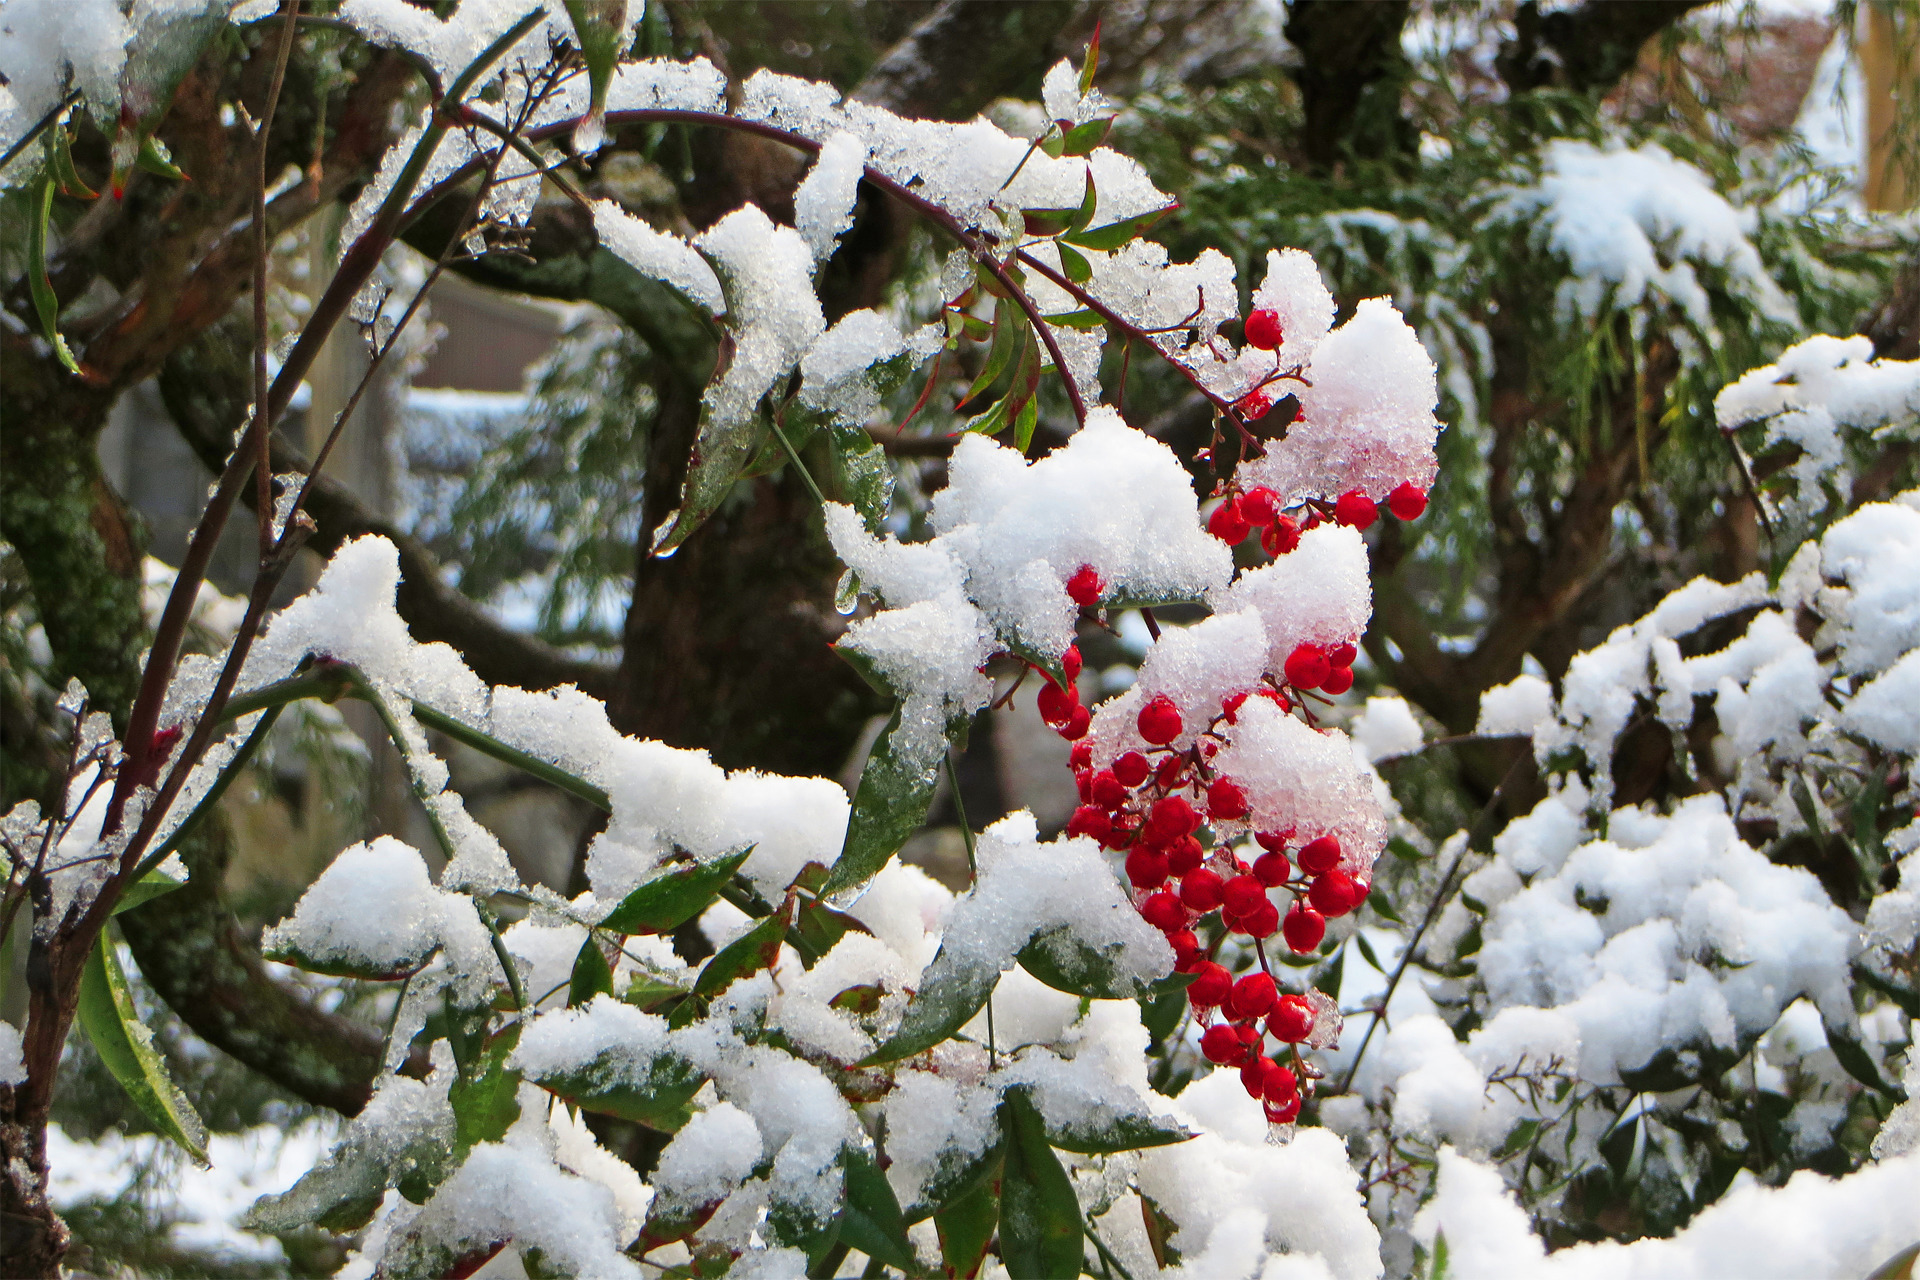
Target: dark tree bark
x=1586, y=49
x=1351, y=74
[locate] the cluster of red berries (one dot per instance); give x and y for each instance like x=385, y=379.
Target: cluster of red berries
x=1241, y=514
x=1152, y=805
x=1326, y=668
x=1060, y=704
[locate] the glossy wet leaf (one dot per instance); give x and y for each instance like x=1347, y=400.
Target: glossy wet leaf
x=872, y=1221
x=592, y=975
x=126, y=1048
x=889, y=805
x=669, y=901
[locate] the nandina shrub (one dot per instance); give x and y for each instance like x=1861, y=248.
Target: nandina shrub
x=871, y=1073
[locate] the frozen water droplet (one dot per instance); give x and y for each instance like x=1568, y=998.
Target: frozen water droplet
x=846, y=596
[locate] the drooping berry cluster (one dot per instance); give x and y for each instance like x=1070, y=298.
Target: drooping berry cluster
x=1155, y=806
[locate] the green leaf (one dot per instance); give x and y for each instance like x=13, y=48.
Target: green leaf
x=60, y=159
x=167, y=41
x=1040, y=1232
x=485, y=1103
x=752, y=951
x=597, y=27
x=1519, y=1138
x=1062, y=960
x=1075, y=264
x=592, y=975
x=668, y=902
x=990, y=423
x=1021, y=396
x=1082, y=319
x=1160, y=1010
x=1024, y=424
x=45, y=304
x=146, y=889
x=1904, y=1265
x=1383, y=906
x=1115, y=234
x=126, y=1047
x=1366, y=952
x=1009, y=328
x=859, y=474
x=1082, y=139
x=817, y=928
x=1089, y=202
x=156, y=159
x=890, y=804
x=721, y=453
x=1125, y=1133
x=951, y=991
x=871, y=1221
x=1858, y=1062
x=647, y=990
x=966, y=1226
x=1092, y=62
x=340, y=1194
x=654, y=1093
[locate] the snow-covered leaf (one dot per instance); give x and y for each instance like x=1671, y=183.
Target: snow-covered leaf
x=1040, y=1231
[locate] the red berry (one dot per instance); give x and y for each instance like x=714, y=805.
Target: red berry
x=1260, y=506
x=1355, y=509
x=1333, y=894
x=1170, y=818
x=1274, y=841
x=1227, y=524
x=1108, y=792
x=1307, y=667
x=1342, y=655
x=1211, y=987
x=1070, y=662
x=1281, y=537
x=1083, y=782
x=1085, y=586
x=1163, y=911
x=1291, y=1019
x=1230, y=709
x=1221, y=1043
x=1261, y=921
x=1284, y=1112
x=1280, y=1083
x=1303, y=928
x=1243, y=894
x=1253, y=1076
x=1254, y=405
x=1317, y=857
x=1081, y=757
x=1146, y=868
x=1076, y=727
x=1057, y=704
x=1271, y=868
x=1338, y=681
x=1184, y=942
x=1408, y=502
x=1202, y=890
x=1252, y=996
x=1226, y=800
x=1263, y=329
x=1090, y=820
x=1171, y=773
x=1184, y=855
x=1131, y=768
x=1160, y=721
